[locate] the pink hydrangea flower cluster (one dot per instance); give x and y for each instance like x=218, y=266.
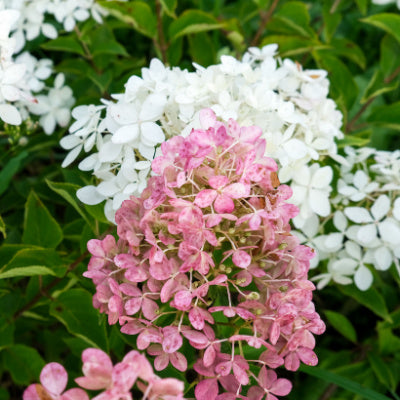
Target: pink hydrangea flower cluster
x=100, y=374
x=205, y=256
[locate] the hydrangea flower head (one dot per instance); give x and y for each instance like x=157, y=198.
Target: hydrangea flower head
x=209, y=236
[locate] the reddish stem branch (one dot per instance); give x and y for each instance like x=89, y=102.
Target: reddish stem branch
x=264, y=21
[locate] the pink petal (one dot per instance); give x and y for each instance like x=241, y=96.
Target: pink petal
x=224, y=204
x=281, y=387
x=223, y=368
x=75, y=394
x=307, y=356
x=132, y=306
x=124, y=376
x=241, y=258
x=207, y=118
x=196, y=318
x=31, y=392
x=240, y=375
x=292, y=362
x=95, y=248
x=125, y=261
x=205, y=198
x=250, y=134
x=183, y=300
x=149, y=308
x=195, y=337
x=161, y=362
x=209, y=356
x=237, y=190
x=206, y=389
x=167, y=387
x=178, y=360
x=172, y=339
x=54, y=378
x=218, y=181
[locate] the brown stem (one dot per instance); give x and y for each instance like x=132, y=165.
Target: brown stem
x=45, y=289
x=350, y=125
x=335, y=5
x=264, y=21
x=161, y=38
x=328, y=392
x=393, y=75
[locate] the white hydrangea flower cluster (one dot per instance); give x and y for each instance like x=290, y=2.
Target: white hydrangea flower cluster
x=366, y=220
x=22, y=84
x=289, y=104
x=33, y=21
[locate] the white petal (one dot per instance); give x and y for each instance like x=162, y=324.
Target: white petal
x=299, y=194
x=366, y=234
x=319, y=202
x=10, y=93
x=322, y=177
x=146, y=151
x=10, y=114
x=109, y=151
x=389, y=230
x=353, y=249
x=62, y=116
x=89, y=195
x=123, y=113
x=71, y=156
x=360, y=179
x=151, y=133
x=126, y=134
x=344, y=266
x=357, y=214
x=107, y=188
x=152, y=107
x=381, y=207
x=333, y=242
x=49, y=31
x=88, y=163
x=340, y=221
x=383, y=258
x=363, y=278
x=48, y=123
x=295, y=148
x=13, y=74
x=396, y=209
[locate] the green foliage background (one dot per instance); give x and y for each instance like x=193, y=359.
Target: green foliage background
x=46, y=312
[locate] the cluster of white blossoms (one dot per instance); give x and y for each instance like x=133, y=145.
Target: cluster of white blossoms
x=22, y=83
x=38, y=17
x=289, y=104
x=364, y=227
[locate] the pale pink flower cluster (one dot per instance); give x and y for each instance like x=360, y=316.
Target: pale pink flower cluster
x=100, y=374
x=209, y=241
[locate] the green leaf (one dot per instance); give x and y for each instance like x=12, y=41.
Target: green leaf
x=346, y=48
x=68, y=192
x=388, y=342
x=343, y=88
x=386, y=115
x=388, y=63
x=389, y=22
x=40, y=228
x=201, y=49
x=344, y=383
x=101, y=80
x=75, y=310
x=97, y=212
x=362, y=6
x=342, y=325
x=24, y=363
x=2, y=227
x=359, y=139
x=382, y=371
x=34, y=261
x=331, y=20
x=192, y=21
x=66, y=44
x=32, y=270
x=7, y=329
x=293, y=45
x=169, y=7
x=10, y=169
x=370, y=298
x=293, y=17
x=377, y=86
x=136, y=14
